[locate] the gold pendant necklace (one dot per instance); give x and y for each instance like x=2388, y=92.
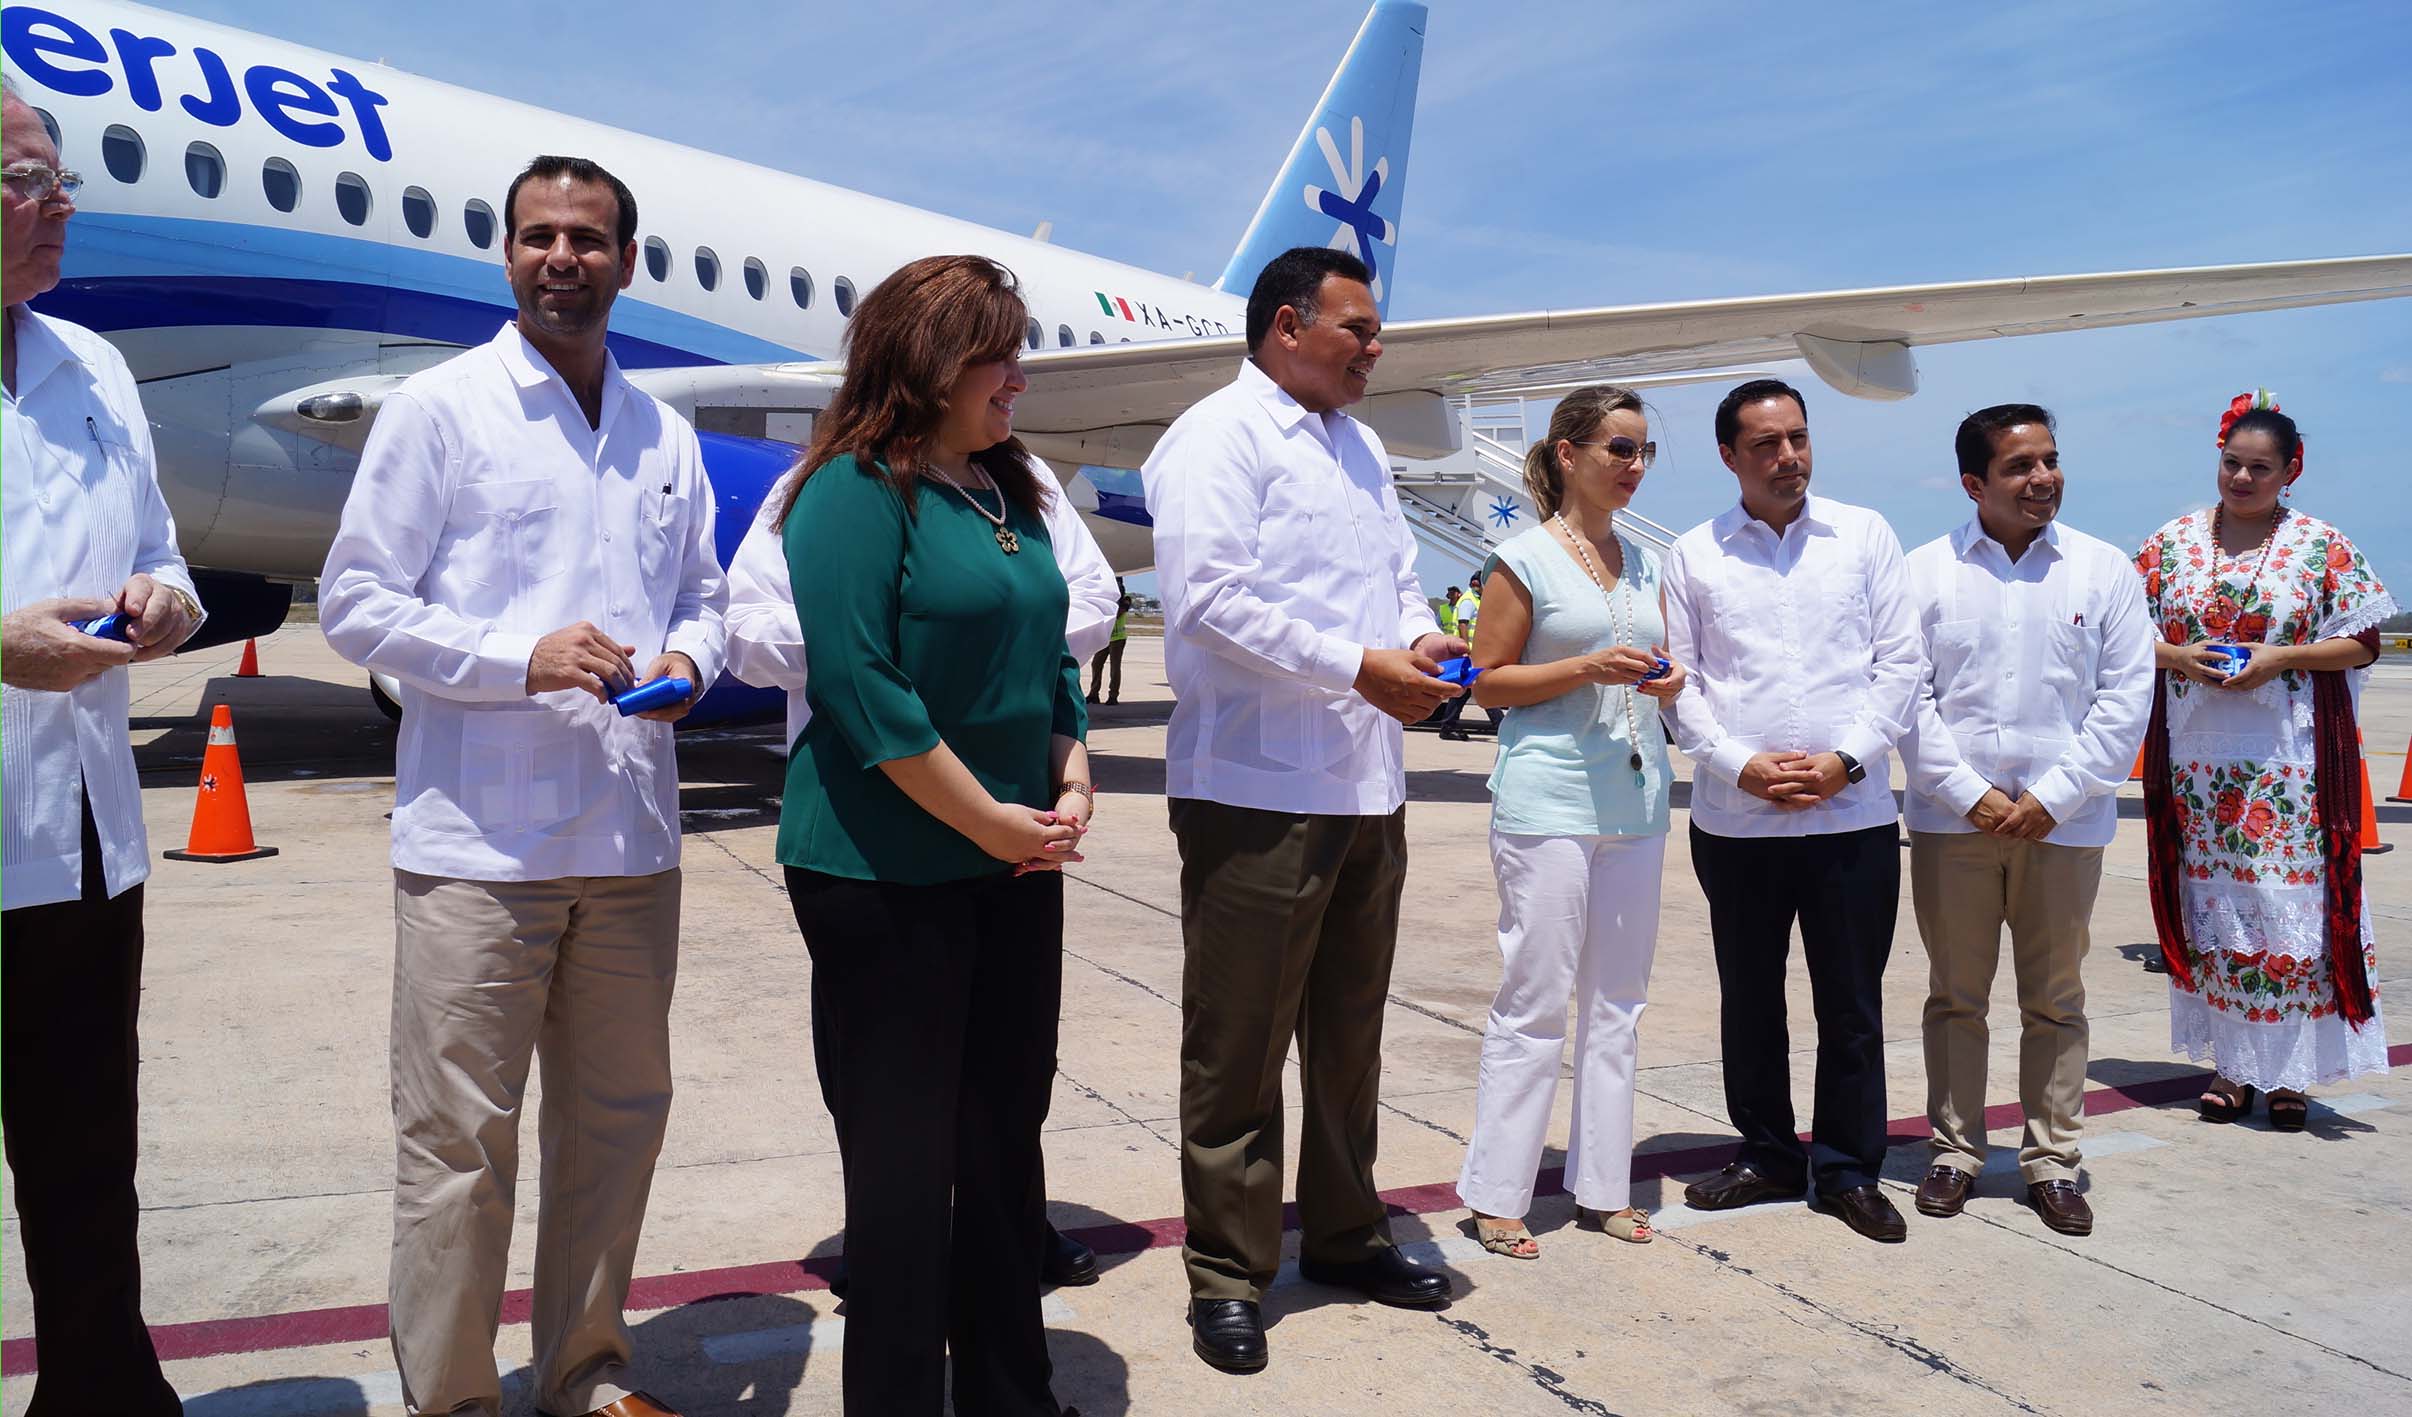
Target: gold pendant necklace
x=1007, y=540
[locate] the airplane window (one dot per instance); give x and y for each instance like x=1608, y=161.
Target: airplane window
x=281, y=184
x=799, y=285
x=121, y=153
x=352, y=198
x=757, y=277
x=205, y=169
x=1037, y=336
x=418, y=211
x=707, y=268
x=657, y=258
x=1064, y=337
x=1096, y=338
x=50, y=125
x=843, y=293
x=478, y=220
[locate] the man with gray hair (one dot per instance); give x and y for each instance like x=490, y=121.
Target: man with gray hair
x=90, y=546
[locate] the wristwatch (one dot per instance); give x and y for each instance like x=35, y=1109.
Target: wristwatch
x=1851, y=768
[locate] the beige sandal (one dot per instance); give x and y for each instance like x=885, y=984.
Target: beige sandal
x=1506, y=1237
x=1631, y=1225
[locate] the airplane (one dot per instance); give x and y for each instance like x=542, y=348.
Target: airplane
x=277, y=237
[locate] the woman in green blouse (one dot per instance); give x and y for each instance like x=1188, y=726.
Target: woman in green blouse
x=930, y=807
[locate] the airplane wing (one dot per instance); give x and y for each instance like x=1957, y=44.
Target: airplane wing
x=1106, y=404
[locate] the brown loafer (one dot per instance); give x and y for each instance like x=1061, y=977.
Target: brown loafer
x=635, y=1404
x=2060, y=1207
x=1944, y=1192
x=1866, y=1210
x=1736, y=1185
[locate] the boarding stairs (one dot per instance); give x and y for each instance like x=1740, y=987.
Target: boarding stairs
x=1463, y=505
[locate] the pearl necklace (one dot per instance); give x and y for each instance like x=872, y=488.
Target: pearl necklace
x=1007, y=540
x=1620, y=628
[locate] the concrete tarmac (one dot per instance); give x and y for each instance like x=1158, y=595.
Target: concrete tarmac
x=2232, y=1269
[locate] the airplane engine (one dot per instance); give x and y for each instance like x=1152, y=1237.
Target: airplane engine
x=240, y=607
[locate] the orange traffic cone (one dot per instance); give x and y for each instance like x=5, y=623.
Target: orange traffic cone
x=2138, y=774
x=250, y=667
x=221, y=816
x=2371, y=845
x=2403, y=790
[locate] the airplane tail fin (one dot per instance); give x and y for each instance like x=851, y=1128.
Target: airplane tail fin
x=1347, y=173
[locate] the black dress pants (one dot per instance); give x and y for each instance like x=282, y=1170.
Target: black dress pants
x=1845, y=889
x=937, y=1007
x=70, y=984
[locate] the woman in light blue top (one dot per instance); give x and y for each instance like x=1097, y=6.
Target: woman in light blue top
x=1570, y=647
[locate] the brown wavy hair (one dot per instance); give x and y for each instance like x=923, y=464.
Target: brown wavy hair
x=1577, y=417
x=908, y=342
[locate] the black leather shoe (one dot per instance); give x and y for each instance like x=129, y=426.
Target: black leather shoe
x=1866, y=1210
x=1069, y=1263
x=1228, y=1333
x=1736, y=1185
x=1387, y=1278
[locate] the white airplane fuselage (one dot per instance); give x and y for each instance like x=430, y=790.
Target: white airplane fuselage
x=222, y=301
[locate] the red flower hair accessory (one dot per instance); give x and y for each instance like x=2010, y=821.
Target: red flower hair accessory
x=2243, y=404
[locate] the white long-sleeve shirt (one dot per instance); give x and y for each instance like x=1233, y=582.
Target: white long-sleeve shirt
x=766, y=636
x=1804, y=642
x=1282, y=557
x=487, y=514
x=83, y=514
x=2039, y=679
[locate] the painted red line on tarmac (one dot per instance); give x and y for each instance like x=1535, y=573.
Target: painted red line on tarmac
x=366, y=1323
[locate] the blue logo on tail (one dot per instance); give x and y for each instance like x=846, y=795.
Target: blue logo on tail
x=1360, y=226
x=1346, y=176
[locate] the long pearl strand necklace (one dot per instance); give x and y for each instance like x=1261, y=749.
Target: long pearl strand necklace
x=1621, y=626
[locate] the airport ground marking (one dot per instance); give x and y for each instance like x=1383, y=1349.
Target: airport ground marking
x=362, y=1323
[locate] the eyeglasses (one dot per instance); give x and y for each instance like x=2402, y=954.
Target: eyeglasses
x=1624, y=449
x=40, y=182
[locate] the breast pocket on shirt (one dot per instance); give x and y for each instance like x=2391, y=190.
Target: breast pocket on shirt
x=1951, y=644
x=664, y=531
x=2072, y=658
x=1843, y=605
x=509, y=533
x=1298, y=514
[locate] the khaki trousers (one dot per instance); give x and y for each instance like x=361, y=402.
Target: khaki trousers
x=578, y=972
x=1288, y=924
x=1966, y=886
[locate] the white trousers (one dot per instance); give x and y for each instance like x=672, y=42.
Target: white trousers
x=1578, y=919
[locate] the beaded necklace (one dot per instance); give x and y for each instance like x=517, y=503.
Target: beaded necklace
x=1620, y=627
x=2211, y=537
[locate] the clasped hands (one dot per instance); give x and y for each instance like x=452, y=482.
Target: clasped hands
x=2025, y=819
x=1794, y=780
x=1035, y=840
x=2204, y=664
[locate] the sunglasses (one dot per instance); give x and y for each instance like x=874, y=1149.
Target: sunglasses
x=1624, y=449
x=40, y=182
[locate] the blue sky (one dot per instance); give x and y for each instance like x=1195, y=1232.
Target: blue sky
x=1583, y=154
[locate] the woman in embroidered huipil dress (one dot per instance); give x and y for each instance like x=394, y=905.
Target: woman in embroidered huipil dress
x=2253, y=781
